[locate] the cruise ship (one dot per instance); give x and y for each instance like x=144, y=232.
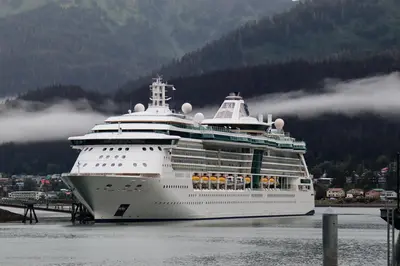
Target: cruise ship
x=155, y=164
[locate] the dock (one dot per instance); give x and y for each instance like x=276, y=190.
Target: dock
x=26, y=210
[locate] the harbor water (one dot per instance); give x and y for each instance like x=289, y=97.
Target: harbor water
x=290, y=241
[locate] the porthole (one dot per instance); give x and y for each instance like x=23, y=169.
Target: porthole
x=144, y=148
x=120, y=164
x=151, y=148
x=97, y=164
x=104, y=149
x=127, y=186
x=104, y=164
x=123, y=156
x=116, y=156
x=84, y=164
x=109, y=185
x=127, y=149
x=90, y=149
x=159, y=148
x=108, y=156
x=111, y=149
x=120, y=149
x=145, y=164
x=101, y=156
x=113, y=164
x=134, y=164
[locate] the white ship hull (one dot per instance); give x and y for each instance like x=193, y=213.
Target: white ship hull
x=157, y=199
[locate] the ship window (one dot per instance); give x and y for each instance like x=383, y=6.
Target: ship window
x=123, y=142
x=123, y=156
x=116, y=156
x=134, y=164
x=97, y=164
x=104, y=164
x=109, y=185
x=84, y=164
x=127, y=149
x=151, y=148
x=90, y=149
x=101, y=156
x=120, y=149
x=127, y=186
x=113, y=164
x=145, y=164
x=104, y=149
x=111, y=149
x=108, y=156
x=120, y=164
x=159, y=148
x=144, y=148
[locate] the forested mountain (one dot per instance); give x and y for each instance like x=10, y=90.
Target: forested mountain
x=312, y=30
x=337, y=144
x=100, y=44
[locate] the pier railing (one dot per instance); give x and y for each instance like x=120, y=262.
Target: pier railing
x=64, y=206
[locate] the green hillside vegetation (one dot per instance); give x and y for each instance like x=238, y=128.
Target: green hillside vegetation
x=96, y=44
x=312, y=30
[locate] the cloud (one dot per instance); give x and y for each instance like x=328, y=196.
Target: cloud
x=379, y=95
x=55, y=122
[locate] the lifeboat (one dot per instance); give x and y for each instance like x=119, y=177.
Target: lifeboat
x=221, y=179
x=204, y=178
x=213, y=179
x=195, y=178
x=271, y=180
x=247, y=179
x=265, y=180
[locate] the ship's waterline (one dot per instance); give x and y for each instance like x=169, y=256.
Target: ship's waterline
x=155, y=164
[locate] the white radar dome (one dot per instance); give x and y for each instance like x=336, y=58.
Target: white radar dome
x=139, y=107
x=199, y=117
x=279, y=123
x=186, y=108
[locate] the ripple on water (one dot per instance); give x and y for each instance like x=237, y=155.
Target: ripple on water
x=248, y=242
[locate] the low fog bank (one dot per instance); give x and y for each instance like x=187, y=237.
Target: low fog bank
x=378, y=95
x=53, y=122
x=31, y=122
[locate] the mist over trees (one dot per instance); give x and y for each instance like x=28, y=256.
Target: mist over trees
x=337, y=145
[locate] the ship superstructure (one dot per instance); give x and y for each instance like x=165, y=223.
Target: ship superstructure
x=156, y=164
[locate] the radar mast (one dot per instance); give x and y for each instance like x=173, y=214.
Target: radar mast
x=158, y=93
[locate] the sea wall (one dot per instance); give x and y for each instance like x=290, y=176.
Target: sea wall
x=7, y=216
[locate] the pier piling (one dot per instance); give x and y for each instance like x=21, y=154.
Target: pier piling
x=330, y=238
x=80, y=214
x=30, y=208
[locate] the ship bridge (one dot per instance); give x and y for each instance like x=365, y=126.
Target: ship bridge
x=234, y=114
